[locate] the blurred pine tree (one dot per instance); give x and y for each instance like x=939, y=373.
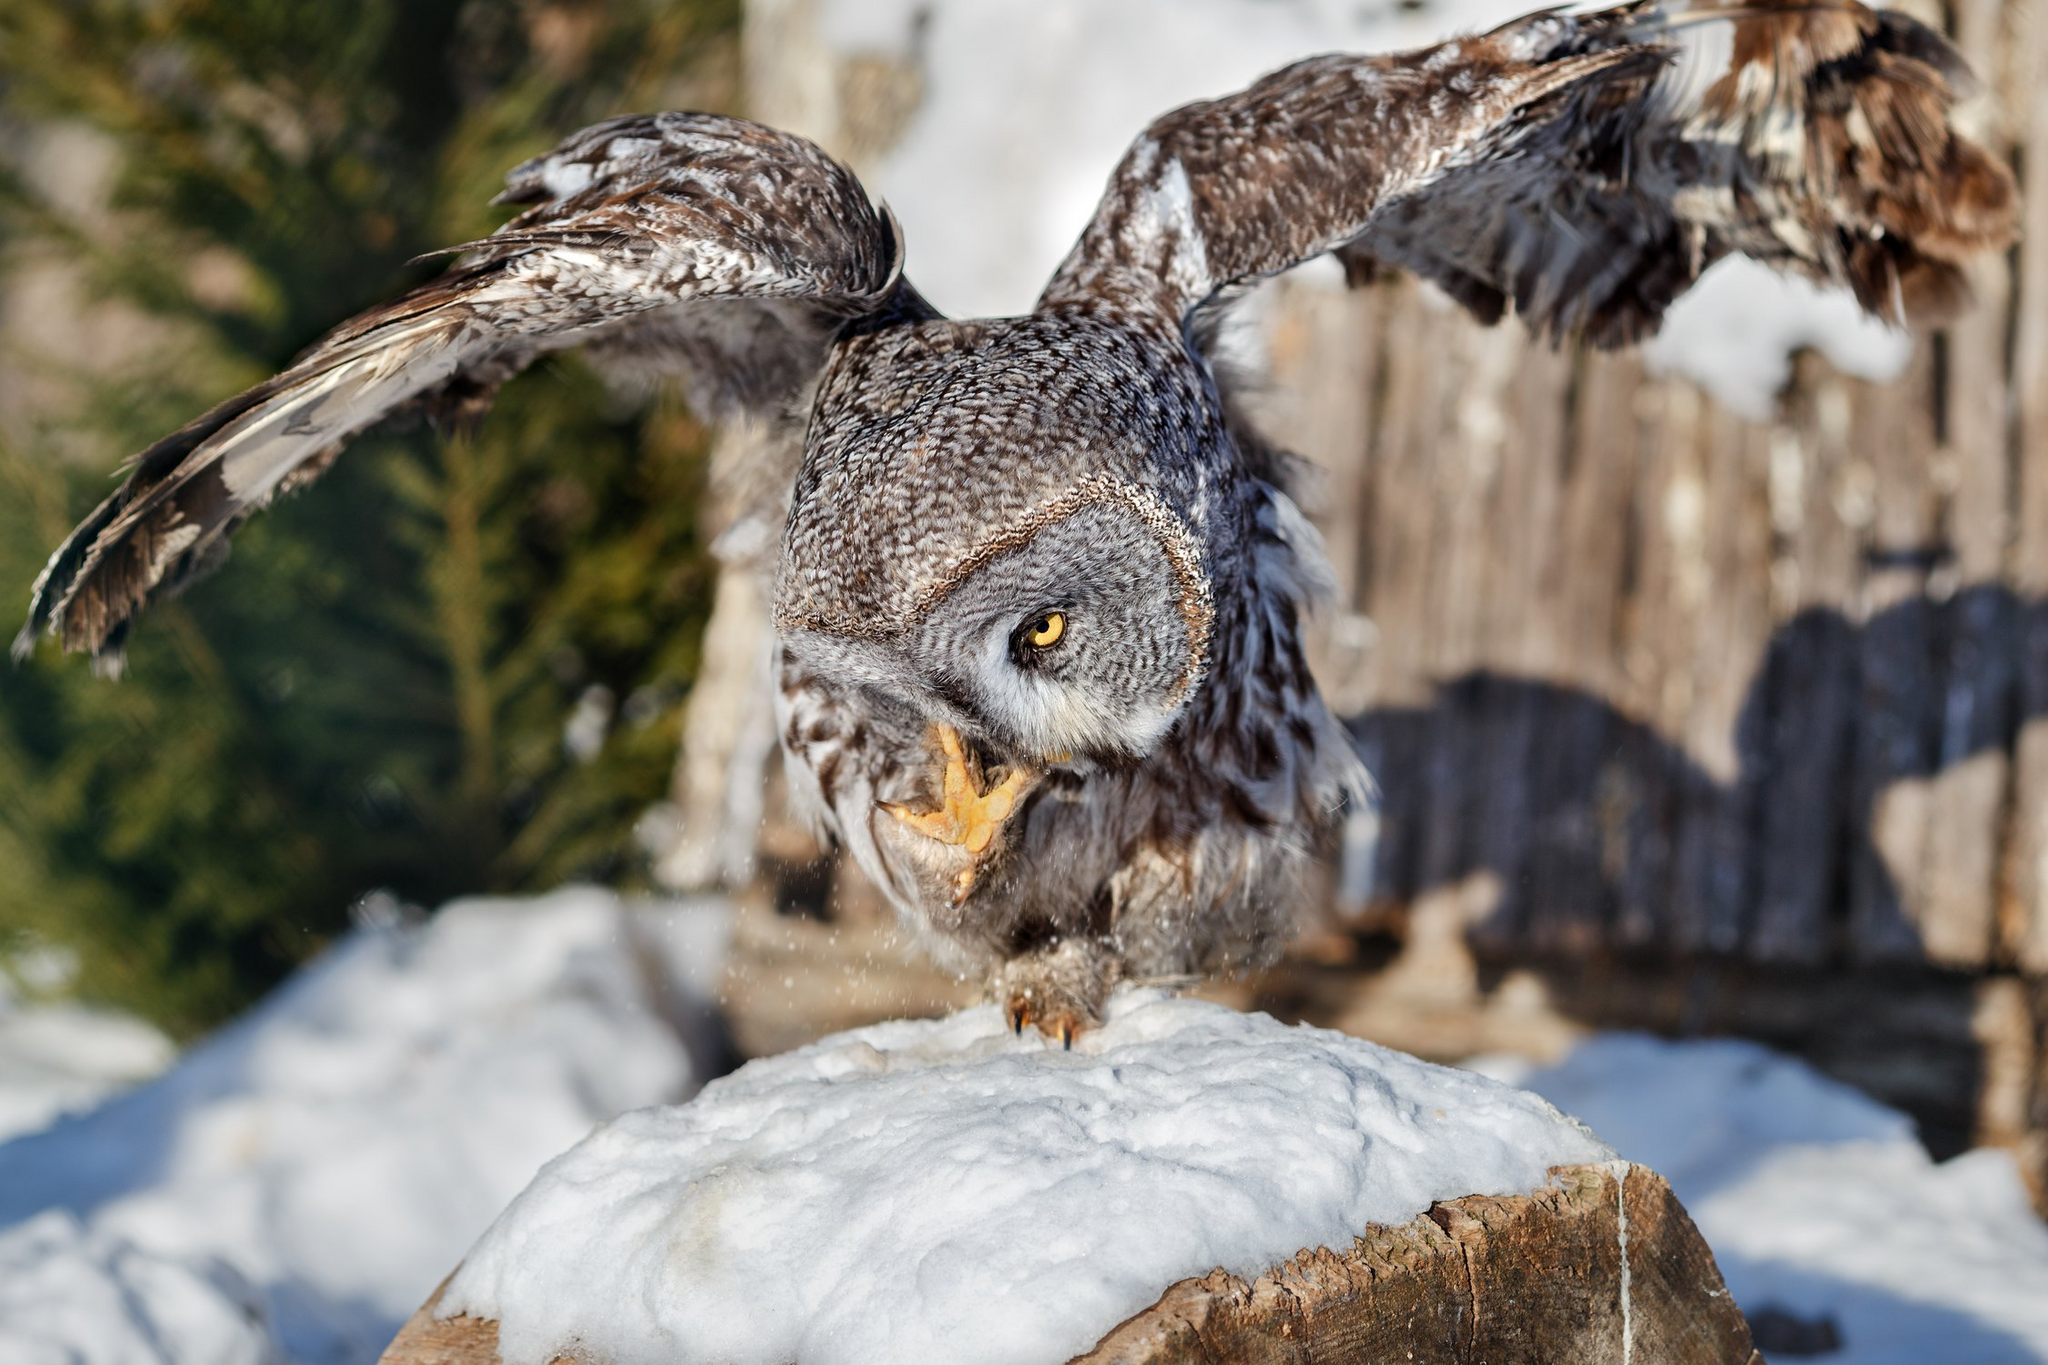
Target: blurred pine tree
x=378, y=691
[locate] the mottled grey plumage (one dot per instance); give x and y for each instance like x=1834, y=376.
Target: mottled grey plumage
x=1039, y=594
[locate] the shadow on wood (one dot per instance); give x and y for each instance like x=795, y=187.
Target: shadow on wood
x=1604, y=833
x=1563, y=837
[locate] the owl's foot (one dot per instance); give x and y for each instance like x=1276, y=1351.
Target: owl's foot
x=1060, y=989
x=967, y=817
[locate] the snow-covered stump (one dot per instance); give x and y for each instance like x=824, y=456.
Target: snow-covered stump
x=942, y=1190
x=1535, y=1278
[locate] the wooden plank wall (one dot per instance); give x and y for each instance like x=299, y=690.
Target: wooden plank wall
x=1688, y=683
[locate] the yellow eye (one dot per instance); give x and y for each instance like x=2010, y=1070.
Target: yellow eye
x=1045, y=632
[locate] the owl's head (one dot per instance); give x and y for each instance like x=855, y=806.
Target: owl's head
x=984, y=550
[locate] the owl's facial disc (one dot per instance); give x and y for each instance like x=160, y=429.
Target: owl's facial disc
x=1082, y=641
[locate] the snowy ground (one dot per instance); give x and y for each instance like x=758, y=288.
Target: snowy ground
x=59, y=1058
x=294, y=1187
x=307, y=1176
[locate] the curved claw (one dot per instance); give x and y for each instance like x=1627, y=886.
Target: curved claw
x=1059, y=988
x=1063, y=1024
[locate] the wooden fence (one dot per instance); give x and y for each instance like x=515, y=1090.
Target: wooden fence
x=1683, y=682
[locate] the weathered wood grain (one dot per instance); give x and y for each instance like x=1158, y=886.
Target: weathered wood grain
x=1894, y=699
x=427, y=1340
x=2026, y=913
x=1597, y=1269
x=1957, y=919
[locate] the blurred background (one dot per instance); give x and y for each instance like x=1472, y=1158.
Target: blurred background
x=380, y=695
x=1706, y=685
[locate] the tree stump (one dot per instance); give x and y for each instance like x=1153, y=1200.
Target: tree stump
x=1603, y=1267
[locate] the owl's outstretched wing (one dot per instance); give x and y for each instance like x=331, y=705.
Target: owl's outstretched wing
x=1585, y=167
x=708, y=247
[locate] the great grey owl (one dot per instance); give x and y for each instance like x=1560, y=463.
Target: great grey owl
x=1039, y=594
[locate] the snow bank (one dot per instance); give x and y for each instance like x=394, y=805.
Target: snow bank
x=340, y=1146
x=1029, y=103
x=57, y=1059
x=942, y=1190
x=1819, y=1201
x=68, y=1295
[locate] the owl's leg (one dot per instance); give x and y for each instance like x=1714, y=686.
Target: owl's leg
x=967, y=817
x=1059, y=988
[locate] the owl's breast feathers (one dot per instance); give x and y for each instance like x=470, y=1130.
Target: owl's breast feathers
x=933, y=448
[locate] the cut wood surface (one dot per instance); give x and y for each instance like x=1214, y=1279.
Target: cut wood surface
x=1603, y=1267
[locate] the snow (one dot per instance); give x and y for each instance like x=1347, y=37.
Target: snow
x=292, y=1189
x=944, y=1190
x=1028, y=104
x=1735, y=332
x=342, y=1145
x=67, y=1294
x=59, y=1058
x=1819, y=1201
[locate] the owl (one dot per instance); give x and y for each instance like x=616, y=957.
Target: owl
x=1040, y=590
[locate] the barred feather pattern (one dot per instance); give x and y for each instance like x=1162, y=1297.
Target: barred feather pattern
x=1583, y=168
x=1140, y=797
x=717, y=249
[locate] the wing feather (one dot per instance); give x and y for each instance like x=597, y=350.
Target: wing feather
x=1583, y=167
x=678, y=243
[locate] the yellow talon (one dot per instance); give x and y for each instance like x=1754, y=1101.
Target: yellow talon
x=965, y=817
